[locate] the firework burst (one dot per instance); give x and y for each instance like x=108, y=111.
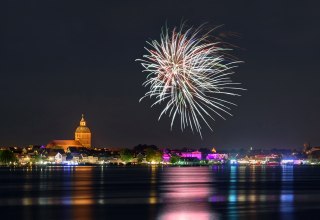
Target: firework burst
x=188, y=70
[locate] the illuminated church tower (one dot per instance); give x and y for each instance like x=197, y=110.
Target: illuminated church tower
x=83, y=133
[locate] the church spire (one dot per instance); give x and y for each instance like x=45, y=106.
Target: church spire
x=82, y=122
x=83, y=133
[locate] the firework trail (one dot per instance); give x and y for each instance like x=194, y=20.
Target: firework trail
x=188, y=71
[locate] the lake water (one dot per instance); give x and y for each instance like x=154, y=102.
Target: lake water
x=168, y=193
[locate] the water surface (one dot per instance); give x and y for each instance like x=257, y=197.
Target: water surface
x=218, y=192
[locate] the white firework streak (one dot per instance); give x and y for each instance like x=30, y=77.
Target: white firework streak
x=187, y=71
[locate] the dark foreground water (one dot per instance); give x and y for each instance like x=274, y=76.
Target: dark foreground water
x=174, y=193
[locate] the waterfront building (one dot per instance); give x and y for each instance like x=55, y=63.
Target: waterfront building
x=82, y=138
x=63, y=144
x=166, y=157
x=83, y=133
x=314, y=152
x=216, y=157
x=91, y=160
x=193, y=154
x=269, y=159
x=56, y=157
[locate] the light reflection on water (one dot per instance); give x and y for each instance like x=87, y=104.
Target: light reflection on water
x=287, y=196
x=232, y=192
x=185, y=193
x=160, y=192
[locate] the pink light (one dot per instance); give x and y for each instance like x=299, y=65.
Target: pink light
x=185, y=214
x=217, y=156
x=166, y=157
x=190, y=184
x=194, y=154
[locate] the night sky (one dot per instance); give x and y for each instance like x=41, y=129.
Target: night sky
x=59, y=59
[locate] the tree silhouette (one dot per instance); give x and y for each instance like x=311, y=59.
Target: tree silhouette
x=126, y=155
x=7, y=156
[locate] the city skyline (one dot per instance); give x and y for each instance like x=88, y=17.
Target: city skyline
x=61, y=60
x=83, y=137
x=163, y=109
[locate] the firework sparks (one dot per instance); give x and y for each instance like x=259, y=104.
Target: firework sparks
x=189, y=72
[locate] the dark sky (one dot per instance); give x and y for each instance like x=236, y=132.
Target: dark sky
x=59, y=59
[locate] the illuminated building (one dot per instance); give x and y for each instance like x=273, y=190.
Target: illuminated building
x=166, y=157
x=82, y=138
x=217, y=156
x=63, y=144
x=194, y=154
x=83, y=133
x=56, y=157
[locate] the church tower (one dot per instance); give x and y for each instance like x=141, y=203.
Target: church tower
x=83, y=133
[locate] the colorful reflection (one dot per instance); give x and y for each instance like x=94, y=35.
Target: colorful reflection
x=185, y=192
x=233, y=197
x=153, y=182
x=287, y=194
x=226, y=192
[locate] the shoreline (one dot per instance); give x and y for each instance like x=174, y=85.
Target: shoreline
x=157, y=165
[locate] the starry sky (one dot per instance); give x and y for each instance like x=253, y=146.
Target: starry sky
x=59, y=59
